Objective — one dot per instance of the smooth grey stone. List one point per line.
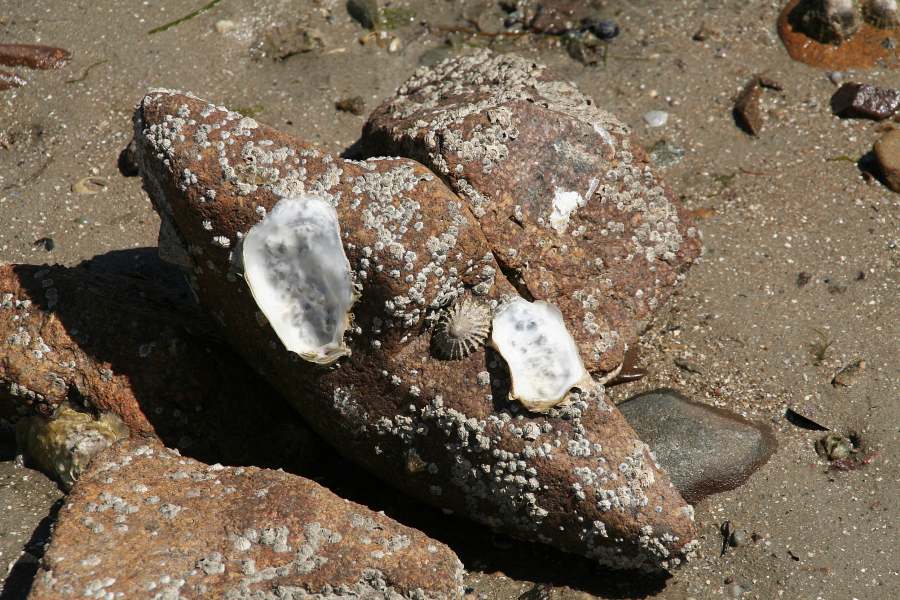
(704, 449)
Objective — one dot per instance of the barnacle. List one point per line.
(462, 329)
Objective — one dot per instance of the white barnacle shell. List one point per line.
(299, 276)
(461, 329)
(543, 359)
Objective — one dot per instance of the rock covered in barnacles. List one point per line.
(569, 205)
(85, 350)
(541, 356)
(145, 522)
(445, 431)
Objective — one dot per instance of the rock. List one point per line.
(33, 56)
(604, 29)
(224, 26)
(849, 374)
(864, 101)
(365, 12)
(887, 154)
(583, 222)
(705, 450)
(144, 520)
(444, 430)
(355, 105)
(656, 118)
(79, 343)
(747, 109)
(828, 21)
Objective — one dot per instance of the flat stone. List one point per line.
(887, 153)
(608, 259)
(145, 522)
(79, 342)
(444, 431)
(705, 449)
(864, 101)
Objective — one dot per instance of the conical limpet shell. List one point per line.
(463, 328)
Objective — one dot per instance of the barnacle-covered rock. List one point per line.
(82, 351)
(145, 522)
(445, 431)
(569, 205)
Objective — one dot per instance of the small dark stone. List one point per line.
(127, 161)
(604, 29)
(864, 101)
(737, 538)
(704, 449)
(353, 105)
(666, 154)
(365, 12)
(803, 278)
(46, 243)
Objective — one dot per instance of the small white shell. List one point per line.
(541, 354)
(296, 269)
(461, 330)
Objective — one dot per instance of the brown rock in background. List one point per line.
(108, 344)
(570, 207)
(443, 431)
(145, 522)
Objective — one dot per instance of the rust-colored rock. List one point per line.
(144, 522)
(865, 101)
(445, 431)
(113, 344)
(34, 56)
(569, 205)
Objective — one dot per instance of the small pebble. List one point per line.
(224, 26)
(737, 538)
(864, 101)
(365, 12)
(604, 29)
(46, 243)
(353, 105)
(887, 155)
(656, 118)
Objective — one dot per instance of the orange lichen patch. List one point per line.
(864, 50)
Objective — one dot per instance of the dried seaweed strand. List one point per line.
(186, 17)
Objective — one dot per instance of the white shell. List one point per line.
(461, 329)
(295, 266)
(543, 359)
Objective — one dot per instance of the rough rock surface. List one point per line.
(144, 522)
(112, 344)
(570, 207)
(887, 153)
(864, 101)
(705, 450)
(444, 431)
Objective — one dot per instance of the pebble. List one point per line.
(737, 538)
(225, 25)
(604, 29)
(365, 12)
(864, 101)
(887, 154)
(656, 118)
(748, 109)
(704, 449)
(353, 105)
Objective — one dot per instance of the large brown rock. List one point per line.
(144, 522)
(445, 431)
(82, 351)
(568, 203)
